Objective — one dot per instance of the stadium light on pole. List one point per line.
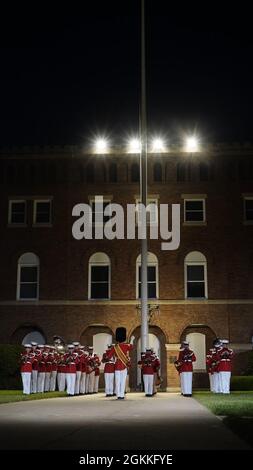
(143, 187)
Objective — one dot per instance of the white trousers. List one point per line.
(41, 382)
(34, 381)
(120, 382)
(186, 383)
(91, 382)
(83, 383)
(216, 382)
(148, 380)
(225, 381)
(61, 381)
(154, 383)
(109, 382)
(26, 380)
(211, 382)
(47, 381)
(71, 380)
(52, 387)
(77, 385)
(96, 383)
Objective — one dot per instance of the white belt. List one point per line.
(227, 360)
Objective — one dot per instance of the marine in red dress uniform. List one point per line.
(27, 358)
(147, 364)
(109, 370)
(71, 359)
(225, 366)
(120, 352)
(35, 367)
(185, 359)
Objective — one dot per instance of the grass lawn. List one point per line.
(8, 396)
(236, 410)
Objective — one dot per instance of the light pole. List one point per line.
(143, 188)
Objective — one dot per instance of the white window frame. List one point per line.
(107, 199)
(197, 263)
(109, 279)
(195, 222)
(150, 200)
(41, 224)
(25, 265)
(16, 224)
(245, 220)
(138, 265)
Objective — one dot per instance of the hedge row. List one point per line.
(242, 382)
(9, 367)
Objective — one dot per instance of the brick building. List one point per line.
(83, 290)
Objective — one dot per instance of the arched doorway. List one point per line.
(34, 336)
(154, 343)
(27, 333)
(201, 339)
(98, 336)
(157, 342)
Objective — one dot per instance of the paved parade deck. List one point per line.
(167, 421)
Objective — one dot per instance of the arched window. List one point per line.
(181, 172)
(152, 276)
(28, 277)
(157, 172)
(90, 173)
(203, 172)
(135, 173)
(113, 174)
(99, 276)
(195, 276)
(198, 345)
(34, 336)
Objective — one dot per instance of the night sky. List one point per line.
(69, 74)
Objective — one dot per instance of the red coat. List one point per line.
(186, 358)
(109, 364)
(71, 360)
(48, 361)
(225, 360)
(126, 348)
(35, 364)
(84, 363)
(42, 362)
(26, 361)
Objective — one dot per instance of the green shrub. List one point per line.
(242, 382)
(249, 370)
(10, 366)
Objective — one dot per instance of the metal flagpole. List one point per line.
(143, 184)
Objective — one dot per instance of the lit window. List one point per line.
(28, 277)
(195, 276)
(194, 210)
(42, 212)
(152, 276)
(99, 276)
(17, 212)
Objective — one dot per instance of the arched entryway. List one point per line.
(98, 336)
(201, 339)
(27, 333)
(157, 341)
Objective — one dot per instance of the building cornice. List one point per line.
(77, 151)
(98, 303)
